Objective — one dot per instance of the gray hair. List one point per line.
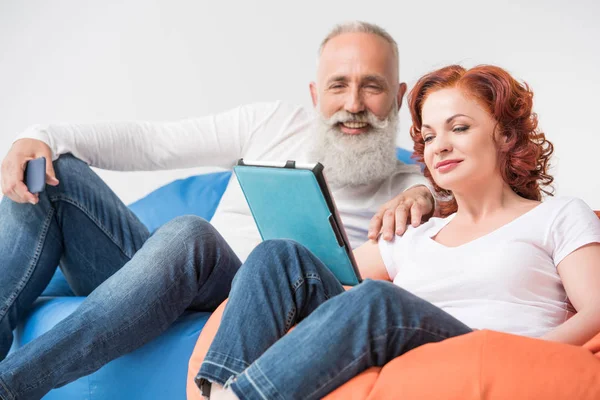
(360, 27)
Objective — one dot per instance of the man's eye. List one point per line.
(336, 86)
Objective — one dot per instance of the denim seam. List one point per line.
(297, 285)
(212, 378)
(107, 339)
(300, 281)
(221, 366)
(253, 384)
(88, 214)
(7, 390)
(290, 319)
(226, 356)
(36, 255)
(264, 376)
(357, 359)
(382, 336)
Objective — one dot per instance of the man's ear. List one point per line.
(313, 93)
(401, 92)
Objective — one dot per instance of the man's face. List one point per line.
(358, 73)
(357, 97)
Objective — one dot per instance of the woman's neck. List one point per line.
(481, 201)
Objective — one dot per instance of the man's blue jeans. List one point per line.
(136, 284)
(338, 335)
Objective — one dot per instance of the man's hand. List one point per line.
(13, 169)
(413, 206)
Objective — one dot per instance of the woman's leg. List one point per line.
(280, 283)
(367, 326)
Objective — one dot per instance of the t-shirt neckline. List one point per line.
(449, 218)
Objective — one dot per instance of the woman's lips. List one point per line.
(448, 165)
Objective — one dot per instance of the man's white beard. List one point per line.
(361, 159)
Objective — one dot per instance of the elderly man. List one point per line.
(136, 284)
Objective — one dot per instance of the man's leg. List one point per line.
(80, 224)
(367, 326)
(185, 264)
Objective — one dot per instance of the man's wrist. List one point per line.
(431, 193)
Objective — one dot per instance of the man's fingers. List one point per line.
(402, 219)
(50, 174)
(23, 193)
(375, 225)
(389, 222)
(416, 213)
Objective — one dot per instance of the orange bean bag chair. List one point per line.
(483, 365)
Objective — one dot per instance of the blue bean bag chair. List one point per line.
(157, 370)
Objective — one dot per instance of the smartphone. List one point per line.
(35, 175)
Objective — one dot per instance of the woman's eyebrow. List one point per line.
(456, 116)
(448, 120)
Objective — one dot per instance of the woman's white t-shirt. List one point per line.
(506, 280)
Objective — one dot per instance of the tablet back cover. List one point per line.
(287, 203)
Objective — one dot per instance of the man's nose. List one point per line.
(354, 102)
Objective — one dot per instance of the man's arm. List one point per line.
(217, 140)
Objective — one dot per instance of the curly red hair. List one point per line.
(523, 157)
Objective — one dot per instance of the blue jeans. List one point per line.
(338, 335)
(136, 284)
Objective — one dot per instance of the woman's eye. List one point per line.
(427, 139)
(461, 128)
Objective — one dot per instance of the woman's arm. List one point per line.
(370, 263)
(580, 274)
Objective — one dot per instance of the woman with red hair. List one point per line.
(498, 258)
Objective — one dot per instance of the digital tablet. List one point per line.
(289, 200)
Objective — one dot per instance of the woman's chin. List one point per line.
(448, 183)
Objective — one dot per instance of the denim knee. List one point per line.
(377, 293)
(276, 254)
(280, 247)
(68, 164)
(189, 226)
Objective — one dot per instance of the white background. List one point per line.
(85, 61)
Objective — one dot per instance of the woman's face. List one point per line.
(458, 132)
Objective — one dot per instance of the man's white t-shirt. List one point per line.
(506, 280)
(264, 131)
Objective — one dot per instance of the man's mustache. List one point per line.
(363, 117)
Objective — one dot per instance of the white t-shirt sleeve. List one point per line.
(387, 250)
(575, 226)
(217, 140)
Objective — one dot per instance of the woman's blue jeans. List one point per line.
(338, 335)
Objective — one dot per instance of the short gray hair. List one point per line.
(360, 27)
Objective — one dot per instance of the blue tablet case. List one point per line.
(289, 203)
